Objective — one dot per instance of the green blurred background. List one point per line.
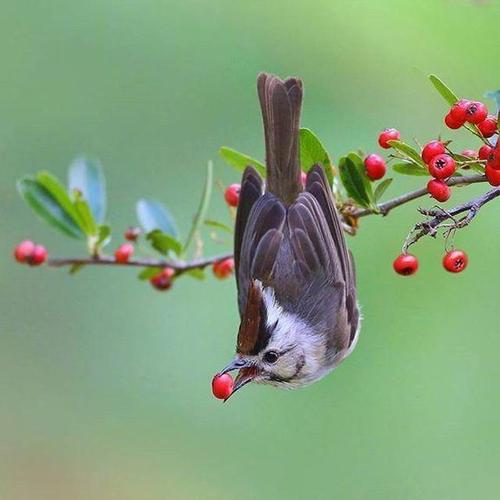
(105, 385)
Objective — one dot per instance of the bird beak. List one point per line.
(247, 372)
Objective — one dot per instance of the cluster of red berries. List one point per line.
(222, 385)
(29, 253)
(476, 113)
(454, 261)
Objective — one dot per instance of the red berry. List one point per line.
(452, 123)
(470, 153)
(492, 174)
(375, 167)
(458, 112)
(23, 251)
(38, 256)
(439, 190)
(442, 166)
(389, 134)
(432, 149)
(223, 268)
(232, 195)
(476, 112)
(303, 178)
(222, 386)
(132, 233)
(163, 280)
(124, 252)
(406, 264)
(485, 152)
(455, 261)
(489, 126)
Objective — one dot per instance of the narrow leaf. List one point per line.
(218, 225)
(381, 189)
(408, 168)
(47, 207)
(240, 161)
(103, 235)
(447, 94)
(352, 181)
(312, 152)
(85, 215)
(360, 166)
(164, 243)
(154, 215)
(202, 207)
(196, 273)
(149, 272)
(59, 193)
(408, 151)
(87, 177)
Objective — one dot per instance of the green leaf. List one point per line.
(149, 272)
(103, 235)
(87, 177)
(443, 89)
(196, 273)
(218, 225)
(85, 215)
(381, 189)
(75, 268)
(47, 207)
(59, 193)
(409, 168)
(312, 152)
(241, 161)
(408, 151)
(154, 215)
(360, 166)
(164, 243)
(202, 207)
(353, 182)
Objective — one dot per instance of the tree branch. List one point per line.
(439, 215)
(386, 207)
(179, 265)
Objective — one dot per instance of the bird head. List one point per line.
(275, 346)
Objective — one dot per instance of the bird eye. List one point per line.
(271, 357)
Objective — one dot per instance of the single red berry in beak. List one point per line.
(222, 385)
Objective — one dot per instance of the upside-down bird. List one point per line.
(294, 273)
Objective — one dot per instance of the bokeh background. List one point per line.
(105, 383)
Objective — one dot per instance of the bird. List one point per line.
(295, 276)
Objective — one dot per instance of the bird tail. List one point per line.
(281, 102)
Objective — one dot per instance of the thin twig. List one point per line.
(179, 265)
(438, 216)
